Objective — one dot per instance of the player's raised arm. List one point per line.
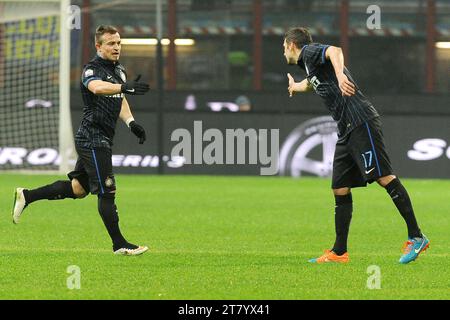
(101, 87)
(335, 55)
(127, 117)
(133, 87)
(302, 86)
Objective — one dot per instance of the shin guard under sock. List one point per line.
(110, 217)
(401, 200)
(55, 191)
(342, 218)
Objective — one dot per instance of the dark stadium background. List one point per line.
(238, 56)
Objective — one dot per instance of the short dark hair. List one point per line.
(101, 30)
(299, 36)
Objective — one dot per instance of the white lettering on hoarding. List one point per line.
(48, 156)
(428, 149)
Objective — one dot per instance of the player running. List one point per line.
(103, 84)
(360, 155)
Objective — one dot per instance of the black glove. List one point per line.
(138, 131)
(135, 87)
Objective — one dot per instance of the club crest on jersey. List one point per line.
(89, 73)
(109, 182)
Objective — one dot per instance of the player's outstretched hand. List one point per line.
(138, 131)
(346, 86)
(291, 85)
(135, 87)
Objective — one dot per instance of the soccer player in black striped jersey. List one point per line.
(103, 85)
(360, 155)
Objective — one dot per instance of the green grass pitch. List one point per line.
(221, 238)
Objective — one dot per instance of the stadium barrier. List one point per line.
(416, 131)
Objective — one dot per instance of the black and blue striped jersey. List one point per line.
(100, 112)
(348, 112)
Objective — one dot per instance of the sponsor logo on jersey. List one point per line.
(117, 95)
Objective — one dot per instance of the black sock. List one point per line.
(110, 217)
(401, 199)
(55, 191)
(342, 218)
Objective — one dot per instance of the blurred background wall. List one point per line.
(227, 69)
(222, 63)
(237, 44)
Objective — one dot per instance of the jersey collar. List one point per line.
(105, 62)
(300, 58)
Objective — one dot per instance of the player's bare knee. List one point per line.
(384, 181)
(78, 189)
(341, 191)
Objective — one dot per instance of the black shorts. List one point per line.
(361, 157)
(94, 170)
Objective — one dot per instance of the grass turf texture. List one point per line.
(221, 238)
